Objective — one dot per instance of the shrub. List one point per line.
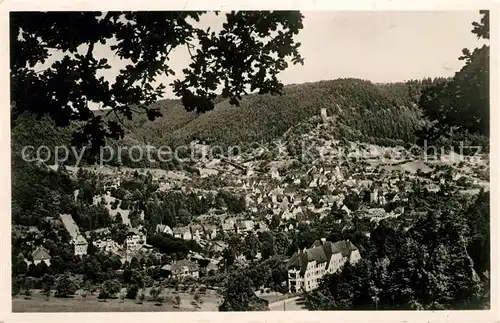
(177, 301)
(109, 289)
(155, 293)
(65, 287)
(159, 301)
(132, 292)
(16, 288)
(142, 297)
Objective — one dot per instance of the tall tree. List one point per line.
(462, 102)
(238, 295)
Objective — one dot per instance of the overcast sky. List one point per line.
(380, 46)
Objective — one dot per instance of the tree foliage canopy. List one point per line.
(462, 102)
(246, 54)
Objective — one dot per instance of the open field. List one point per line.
(40, 303)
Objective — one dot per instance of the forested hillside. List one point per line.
(370, 110)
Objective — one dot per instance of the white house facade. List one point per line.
(41, 255)
(80, 245)
(135, 239)
(307, 267)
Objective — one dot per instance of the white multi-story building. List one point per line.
(77, 240)
(196, 231)
(136, 238)
(307, 267)
(80, 245)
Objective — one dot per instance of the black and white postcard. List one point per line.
(182, 161)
